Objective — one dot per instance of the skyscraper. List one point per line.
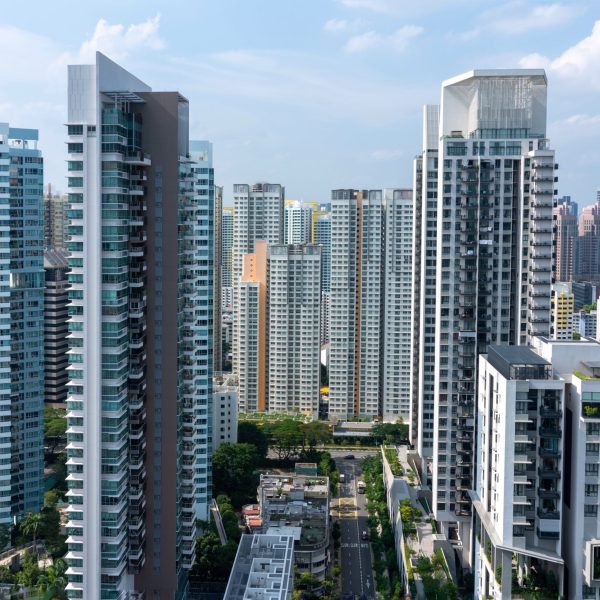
(495, 184)
(369, 338)
(56, 330)
(323, 239)
(140, 364)
(227, 247)
(258, 215)
(397, 314)
(565, 218)
(22, 325)
(55, 219)
(297, 223)
(251, 316)
(425, 193)
(293, 311)
(589, 243)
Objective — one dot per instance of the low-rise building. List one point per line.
(225, 412)
(263, 568)
(298, 505)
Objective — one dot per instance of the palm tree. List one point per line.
(29, 525)
(53, 580)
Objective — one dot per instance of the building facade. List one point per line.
(562, 311)
(566, 241)
(297, 223)
(589, 243)
(495, 182)
(22, 326)
(227, 247)
(225, 414)
(293, 328)
(55, 219)
(56, 329)
(397, 314)
(518, 523)
(217, 285)
(139, 402)
(258, 215)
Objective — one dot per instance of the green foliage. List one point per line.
(234, 472)
(389, 433)
(392, 458)
(589, 307)
(251, 433)
(55, 426)
(286, 438)
(213, 561)
(590, 411)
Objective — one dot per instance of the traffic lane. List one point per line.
(357, 574)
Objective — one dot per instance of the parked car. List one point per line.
(365, 535)
(349, 457)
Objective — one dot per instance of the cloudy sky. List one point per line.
(314, 94)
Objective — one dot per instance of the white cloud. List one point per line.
(397, 41)
(580, 62)
(518, 16)
(343, 25)
(118, 41)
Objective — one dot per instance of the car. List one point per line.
(349, 457)
(364, 535)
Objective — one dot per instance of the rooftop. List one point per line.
(519, 362)
(262, 569)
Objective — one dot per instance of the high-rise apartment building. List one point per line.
(139, 403)
(365, 342)
(55, 219)
(397, 314)
(495, 184)
(518, 523)
(566, 241)
(22, 324)
(293, 334)
(589, 243)
(297, 223)
(323, 239)
(536, 498)
(584, 292)
(251, 318)
(217, 287)
(278, 313)
(562, 311)
(258, 215)
(56, 329)
(425, 177)
(227, 247)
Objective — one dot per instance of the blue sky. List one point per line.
(314, 94)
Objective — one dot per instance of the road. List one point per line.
(357, 570)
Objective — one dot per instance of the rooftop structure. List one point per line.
(262, 569)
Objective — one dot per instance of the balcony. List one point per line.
(549, 452)
(548, 494)
(547, 535)
(548, 472)
(550, 432)
(548, 514)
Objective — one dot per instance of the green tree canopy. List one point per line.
(251, 433)
(286, 438)
(213, 561)
(234, 467)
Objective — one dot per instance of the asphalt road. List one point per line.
(357, 570)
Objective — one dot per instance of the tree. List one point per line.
(55, 426)
(314, 434)
(53, 580)
(213, 561)
(234, 467)
(30, 525)
(391, 433)
(286, 438)
(251, 433)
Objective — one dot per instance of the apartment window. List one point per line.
(591, 469)
(590, 510)
(591, 490)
